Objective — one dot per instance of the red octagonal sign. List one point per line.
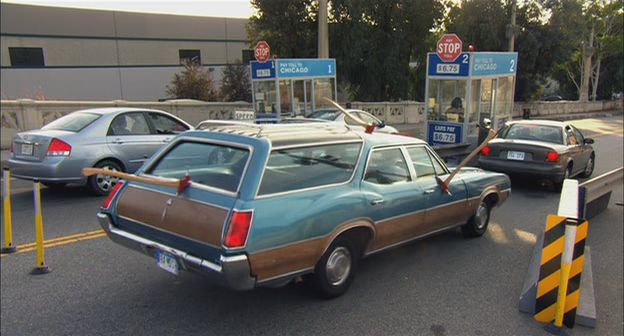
(262, 52)
(449, 47)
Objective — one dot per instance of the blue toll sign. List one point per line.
(488, 64)
(293, 68)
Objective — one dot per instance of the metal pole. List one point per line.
(511, 28)
(323, 38)
(8, 226)
(41, 266)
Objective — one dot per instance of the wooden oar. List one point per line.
(173, 183)
(369, 127)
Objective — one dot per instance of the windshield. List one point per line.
(212, 165)
(533, 132)
(324, 114)
(73, 122)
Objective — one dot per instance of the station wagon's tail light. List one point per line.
(238, 229)
(552, 157)
(111, 195)
(485, 151)
(59, 148)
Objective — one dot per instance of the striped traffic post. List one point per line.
(41, 267)
(8, 226)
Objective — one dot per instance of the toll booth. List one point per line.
(292, 87)
(459, 95)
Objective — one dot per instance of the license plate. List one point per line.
(511, 155)
(167, 262)
(27, 149)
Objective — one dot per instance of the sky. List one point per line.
(219, 8)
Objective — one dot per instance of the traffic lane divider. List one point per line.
(60, 241)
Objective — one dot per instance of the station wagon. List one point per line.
(267, 204)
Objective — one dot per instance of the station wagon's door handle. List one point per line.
(166, 140)
(377, 201)
(118, 141)
(428, 191)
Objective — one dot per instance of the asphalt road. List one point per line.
(443, 285)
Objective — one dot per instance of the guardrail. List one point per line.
(597, 191)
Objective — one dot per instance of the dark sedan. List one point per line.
(550, 150)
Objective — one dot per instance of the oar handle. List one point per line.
(491, 135)
(174, 183)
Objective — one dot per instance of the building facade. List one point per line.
(77, 54)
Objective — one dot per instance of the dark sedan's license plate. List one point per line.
(168, 262)
(511, 155)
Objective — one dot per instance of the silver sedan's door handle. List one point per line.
(428, 191)
(377, 201)
(166, 140)
(118, 141)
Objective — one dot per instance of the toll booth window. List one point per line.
(504, 97)
(447, 100)
(285, 98)
(265, 95)
(324, 87)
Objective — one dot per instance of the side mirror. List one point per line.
(588, 141)
(381, 125)
(486, 123)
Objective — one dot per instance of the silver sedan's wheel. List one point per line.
(103, 184)
(589, 168)
(338, 266)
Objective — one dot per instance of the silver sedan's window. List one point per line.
(73, 122)
(387, 166)
(212, 165)
(533, 132)
(308, 167)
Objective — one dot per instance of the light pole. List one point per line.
(323, 38)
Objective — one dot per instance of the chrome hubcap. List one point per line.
(590, 166)
(338, 266)
(105, 182)
(481, 217)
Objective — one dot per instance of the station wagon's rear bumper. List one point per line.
(232, 271)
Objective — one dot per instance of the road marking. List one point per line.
(60, 241)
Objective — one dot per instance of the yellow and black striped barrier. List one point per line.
(560, 271)
(41, 267)
(8, 225)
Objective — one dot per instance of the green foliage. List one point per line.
(481, 23)
(235, 83)
(193, 83)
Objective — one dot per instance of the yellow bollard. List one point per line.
(8, 226)
(41, 266)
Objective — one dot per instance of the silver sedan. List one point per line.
(111, 138)
(335, 116)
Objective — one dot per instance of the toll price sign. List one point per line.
(444, 133)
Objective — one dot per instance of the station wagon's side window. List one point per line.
(424, 164)
(133, 123)
(166, 125)
(307, 167)
(387, 166)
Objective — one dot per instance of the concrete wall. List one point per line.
(26, 114)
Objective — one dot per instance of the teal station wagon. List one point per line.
(267, 204)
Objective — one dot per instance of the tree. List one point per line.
(192, 83)
(235, 83)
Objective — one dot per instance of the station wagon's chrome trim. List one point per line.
(382, 221)
(316, 144)
(241, 257)
(411, 239)
(286, 275)
(182, 139)
(178, 196)
(228, 221)
(167, 231)
(350, 180)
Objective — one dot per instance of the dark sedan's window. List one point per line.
(307, 167)
(74, 122)
(387, 166)
(208, 164)
(533, 132)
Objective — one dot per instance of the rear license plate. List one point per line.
(511, 155)
(27, 149)
(168, 262)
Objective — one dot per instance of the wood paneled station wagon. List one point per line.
(261, 205)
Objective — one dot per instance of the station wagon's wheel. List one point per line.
(478, 223)
(335, 270)
(102, 184)
(589, 168)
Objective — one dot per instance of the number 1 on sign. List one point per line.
(329, 68)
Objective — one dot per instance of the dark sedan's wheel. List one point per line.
(103, 184)
(589, 168)
(335, 270)
(478, 223)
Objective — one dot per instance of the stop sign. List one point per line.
(262, 52)
(449, 47)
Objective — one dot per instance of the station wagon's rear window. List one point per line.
(208, 164)
(308, 167)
